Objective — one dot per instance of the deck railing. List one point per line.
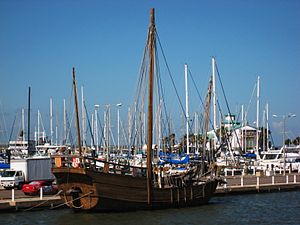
(160, 177)
(258, 182)
(76, 161)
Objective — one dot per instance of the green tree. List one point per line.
(288, 141)
(296, 141)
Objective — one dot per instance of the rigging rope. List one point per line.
(170, 75)
(25, 210)
(250, 102)
(89, 124)
(227, 105)
(71, 201)
(11, 132)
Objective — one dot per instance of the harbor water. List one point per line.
(266, 208)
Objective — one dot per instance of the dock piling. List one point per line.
(13, 195)
(41, 193)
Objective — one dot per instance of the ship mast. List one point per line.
(151, 43)
(206, 120)
(187, 108)
(76, 110)
(28, 128)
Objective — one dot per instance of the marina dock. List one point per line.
(257, 184)
(15, 200)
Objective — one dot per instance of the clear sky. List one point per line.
(40, 42)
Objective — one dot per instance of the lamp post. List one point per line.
(119, 105)
(284, 117)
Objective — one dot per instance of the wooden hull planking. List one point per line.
(87, 189)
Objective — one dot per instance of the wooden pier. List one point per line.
(259, 183)
(15, 200)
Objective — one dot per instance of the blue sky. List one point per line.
(40, 42)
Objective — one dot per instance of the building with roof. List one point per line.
(240, 137)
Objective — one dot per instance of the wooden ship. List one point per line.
(122, 187)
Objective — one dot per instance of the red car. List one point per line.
(33, 188)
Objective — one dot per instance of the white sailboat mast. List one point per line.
(214, 97)
(23, 126)
(51, 121)
(263, 124)
(83, 118)
(243, 124)
(38, 134)
(93, 131)
(96, 128)
(196, 132)
(56, 125)
(186, 107)
(65, 123)
(214, 92)
(267, 113)
(129, 128)
(118, 112)
(257, 116)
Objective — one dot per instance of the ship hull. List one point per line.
(86, 189)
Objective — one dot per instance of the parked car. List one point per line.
(33, 188)
(22, 171)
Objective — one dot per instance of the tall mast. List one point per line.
(242, 127)
(152, 35)
(267, 112)
(214, 98)
(93, 131)
(118, 105)
(257, 116)
(51, 122)
(83, 119)
(56, 125)
(76, 110)
(214, 92)
(28, 132)
(129, 128)
(65, 124)
(23, 126)
(206, 120)
(107, 125)
(38, 128)
(263, 125)
(96, 129)
(196, 133)
(186, 107)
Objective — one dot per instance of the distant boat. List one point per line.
(271, 159)
(121, 187)
(274, 158)
(20, 147)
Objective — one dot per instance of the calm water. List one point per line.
(270, 208)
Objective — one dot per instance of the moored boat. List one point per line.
(88, 183)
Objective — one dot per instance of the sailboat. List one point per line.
(122, 187)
